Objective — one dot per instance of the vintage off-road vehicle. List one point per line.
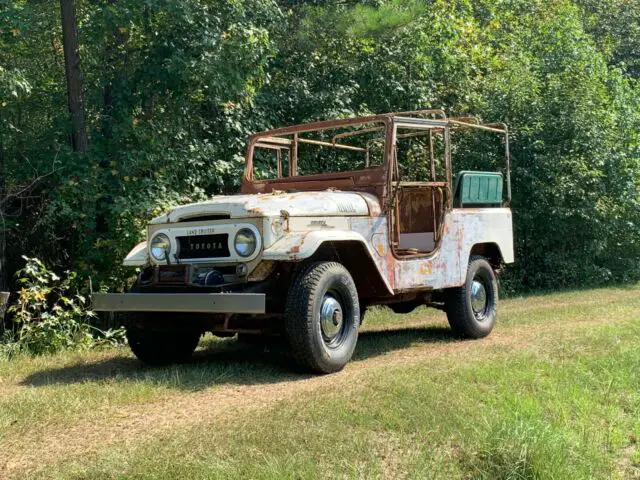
(334, 216)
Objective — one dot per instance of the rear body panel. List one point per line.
(444, 268)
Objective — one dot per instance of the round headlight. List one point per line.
(160, 246)
(245, 242)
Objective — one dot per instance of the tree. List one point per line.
(74, 75)
(169, 91)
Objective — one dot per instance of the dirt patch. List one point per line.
(626, 467)
(392, 454)
(8, 389)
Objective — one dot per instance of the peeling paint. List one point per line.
(372, 203)
(447, 266)
(426, 268)
(262, 271)
(294, 249)
(323, 203)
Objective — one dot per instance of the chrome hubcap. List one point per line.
(331, 317)
(478, 298)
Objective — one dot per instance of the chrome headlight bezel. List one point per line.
(159, 246)
(250, 239)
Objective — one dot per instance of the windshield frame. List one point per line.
(377, 180)
(272, 137)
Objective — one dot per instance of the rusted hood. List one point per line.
(300, 204)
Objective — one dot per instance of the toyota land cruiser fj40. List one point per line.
(334, 216)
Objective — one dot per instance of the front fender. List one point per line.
(297, 246)
(137, 256)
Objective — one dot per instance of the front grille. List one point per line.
(203, 246)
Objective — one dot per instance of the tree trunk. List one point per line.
(4, 295)
(3, 227)
(4, 303)
(74, 75)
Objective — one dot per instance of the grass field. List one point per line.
(554, 392)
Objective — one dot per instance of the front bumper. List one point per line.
(251, 303)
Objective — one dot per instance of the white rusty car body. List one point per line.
(292, 227)
(404, 242)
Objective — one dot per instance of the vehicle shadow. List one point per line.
(228, 363)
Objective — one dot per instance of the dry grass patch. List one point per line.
(108, 407)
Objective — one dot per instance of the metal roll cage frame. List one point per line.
(431, 122)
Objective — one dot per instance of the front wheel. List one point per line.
(472, 308)
(322, 317)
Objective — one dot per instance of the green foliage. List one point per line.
(573, 118)
(12, 84)
(362, 19)
(172, 90)
(49, 316)
(615, 27)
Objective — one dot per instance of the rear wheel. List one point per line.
(162, 347)
(322, 317)
(472, 308)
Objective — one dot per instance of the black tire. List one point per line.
(322, 341)
(469, 319)
(162, 347)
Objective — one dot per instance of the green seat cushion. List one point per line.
(477, 188)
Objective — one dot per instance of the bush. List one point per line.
(50, 315)
(173, 89)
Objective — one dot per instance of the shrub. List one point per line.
(50, 315)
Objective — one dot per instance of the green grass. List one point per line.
(553, 393)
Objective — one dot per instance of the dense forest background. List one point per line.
(170, 90)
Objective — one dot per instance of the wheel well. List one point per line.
(356, 259)
(490, 251)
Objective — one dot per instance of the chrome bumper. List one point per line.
(180, 302)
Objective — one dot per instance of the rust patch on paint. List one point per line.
(294, 249)
(426, 268)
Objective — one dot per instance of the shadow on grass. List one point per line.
(228, 362)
